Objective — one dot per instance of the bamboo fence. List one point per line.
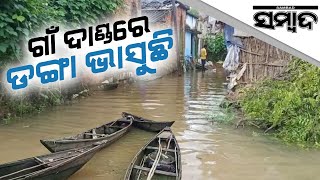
(262, 60)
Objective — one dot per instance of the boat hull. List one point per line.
(148, 125)
(152, 126)
(72, 143)
(62, 169)
(137, 166)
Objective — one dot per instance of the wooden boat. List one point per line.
(54, 166)
(146, 124)
(160, 158)
(111, 131)
(110, 86)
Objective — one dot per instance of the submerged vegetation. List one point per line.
(289, 107)
(226, 116)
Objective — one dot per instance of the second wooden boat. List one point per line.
(55, 166)
(147, 124)
(111, 132)
(159, 159)
(110, 86)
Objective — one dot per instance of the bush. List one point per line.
(217, 50)
(290, 107)
(194, 12)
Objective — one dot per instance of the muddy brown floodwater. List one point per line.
(209, 151)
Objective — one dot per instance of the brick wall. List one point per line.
(181, 23)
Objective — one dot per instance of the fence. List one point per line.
(259, 60)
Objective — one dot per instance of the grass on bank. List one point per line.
(288, 107)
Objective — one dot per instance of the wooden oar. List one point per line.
(92, 134)
(141, 164)
(176, 157)
(114, 122)
(168, 146)
(156, 161)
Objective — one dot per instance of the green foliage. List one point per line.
(19, 18)
(216, 47)
(226, 116)
(291, 106)
(193, 12)
(81, 12)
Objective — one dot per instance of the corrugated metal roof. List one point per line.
(160, 4)
(156, 15)
(155, 4)
(156, 10)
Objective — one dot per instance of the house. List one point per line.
(160, 14)
(191, 38)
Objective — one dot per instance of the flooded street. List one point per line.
(209, 151)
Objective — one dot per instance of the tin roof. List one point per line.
(157, 10)
(156, 15)
(160, 4)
